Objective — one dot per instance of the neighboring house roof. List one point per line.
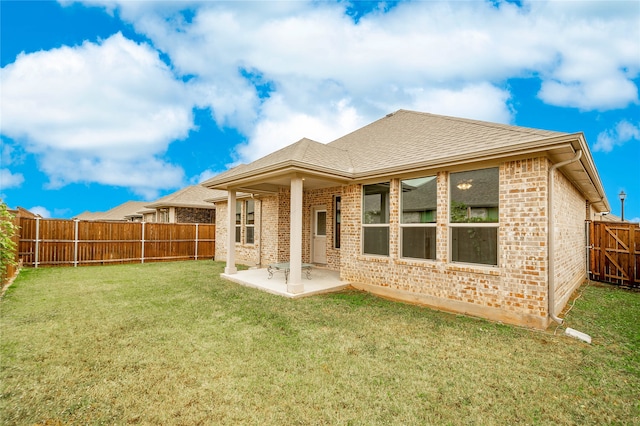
(26, 213)
(420, 197)
(409, 140)
(192, 196)
(121, 212)
(87, 215)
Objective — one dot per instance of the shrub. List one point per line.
(7, 245)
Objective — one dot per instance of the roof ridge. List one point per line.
(304, 146)
(482, 123)
(327, 146)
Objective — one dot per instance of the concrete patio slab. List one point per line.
(322, 281)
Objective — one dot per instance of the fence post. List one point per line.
(37, 259)
(196, 242)
(75, 243)
(142, 251)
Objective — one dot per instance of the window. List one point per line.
(249, 221)
(238, 221)
(321, 223)
(163, 215)
(473, 216)
(336, 226)
(418, 217)
(375, 219)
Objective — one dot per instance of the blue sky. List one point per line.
(108, 101)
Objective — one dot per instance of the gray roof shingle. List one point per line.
(412, 141)
(398, 140)
(120, 212)
(191, 196)
(406, 137)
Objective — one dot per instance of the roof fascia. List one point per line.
(573, 141)
(590, 169)
(282, 171)
(489, 157)
(278, 170)
(186, 205)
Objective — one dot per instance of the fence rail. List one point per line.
(614, 255)
(56, 242)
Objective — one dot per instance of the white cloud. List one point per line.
(280, 126)
(98, 113)
(482, 102)
(10, 180)
(596, 45)
(42, 211)
(7, 178)
(205, 175)
(618, 136)
(450, 58)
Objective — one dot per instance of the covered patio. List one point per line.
(322, 281)
(303, 168)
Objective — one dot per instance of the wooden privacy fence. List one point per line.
(614, 255)
(55, 242)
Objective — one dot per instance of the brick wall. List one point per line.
(247, 254)
(513, 292)
(272, 234)
(570, 239)
(221, 231)
(523, 235)
(269, 240)
(320, 198)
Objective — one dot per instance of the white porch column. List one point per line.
(231, 234)
(295, 238)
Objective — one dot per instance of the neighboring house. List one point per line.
(148, 215)
(462, 215)
(125, 212)
(607, 217)
(187, 205)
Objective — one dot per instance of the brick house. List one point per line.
(187, 205)
(461, 215)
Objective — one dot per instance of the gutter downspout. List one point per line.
(551, 238)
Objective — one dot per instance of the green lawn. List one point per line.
(172, 343)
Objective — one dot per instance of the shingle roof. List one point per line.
(406, 137)
(129, 208)
(399, 140)
(191, 196)
(305, 152)
(411, 141)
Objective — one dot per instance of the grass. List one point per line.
(172, 343)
